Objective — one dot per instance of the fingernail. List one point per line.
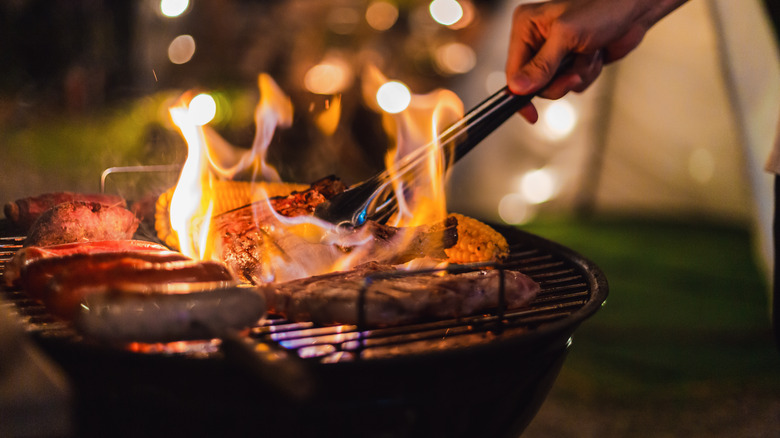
(574, 82)
(521, 85)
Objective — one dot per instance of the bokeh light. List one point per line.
(181, 49)
(381, 15)
(514, 209)
(393, 97)
(343, 21)
(446, 12)
(495, 81)
(202, 109)
(173, 8)
(455, 58)
(331, 76)
(469, 15)
(559, 119)
(538, 186)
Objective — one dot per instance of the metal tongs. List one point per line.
(374, 199)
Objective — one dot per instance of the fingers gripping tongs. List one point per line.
(374, 199)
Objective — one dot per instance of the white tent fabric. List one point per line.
(682, 126)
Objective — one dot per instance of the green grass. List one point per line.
(687, 311)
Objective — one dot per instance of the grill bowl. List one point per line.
(485, 375)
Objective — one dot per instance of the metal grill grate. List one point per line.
(571, 288)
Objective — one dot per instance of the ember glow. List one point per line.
(211, 161)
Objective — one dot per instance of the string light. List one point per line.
(328, 77)
(559, 119)
(181, 49)
(514, 209)
(173, 8)
(494, 81)
(455, 58)
(538, 186)
(393, 97)
(381, 15)
(446, 12)
(202, 109)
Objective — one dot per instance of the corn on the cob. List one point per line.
(477, 242)
(228, 195)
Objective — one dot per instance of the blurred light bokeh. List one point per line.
(679, 128)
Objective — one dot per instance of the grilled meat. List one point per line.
(31, 254)
(258, 248)
(259, 245)
(78, 221)
(395, 299)
(66, 290)
(158, 317)
(36, 276)
(23, 212)
(304, 202)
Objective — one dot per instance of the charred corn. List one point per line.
(228, 195)
(477, 242)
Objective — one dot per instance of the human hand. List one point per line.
(593, 32)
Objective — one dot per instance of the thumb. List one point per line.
(538, 71)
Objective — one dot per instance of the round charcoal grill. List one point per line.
(478, 376)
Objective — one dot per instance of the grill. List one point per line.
(484, 375)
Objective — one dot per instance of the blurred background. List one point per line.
(655, 172)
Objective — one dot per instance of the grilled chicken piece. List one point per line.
(79, 221)
(392, 299)
(23, 212)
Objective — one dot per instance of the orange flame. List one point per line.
(420, 193)
(211, 158)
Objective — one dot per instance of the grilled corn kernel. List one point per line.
(228, 195)
(477, 242)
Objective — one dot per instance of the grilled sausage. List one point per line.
(31, 254)
(158, 317)
(79, 221)
(63, 294)
(23, 212)
(35, 276)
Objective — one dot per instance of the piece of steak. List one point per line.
(81, 221)
(395, 299)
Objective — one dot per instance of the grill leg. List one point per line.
(776, 265)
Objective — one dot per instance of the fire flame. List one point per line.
(210, 159)
(420, 192)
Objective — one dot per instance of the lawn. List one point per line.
(682, 347)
